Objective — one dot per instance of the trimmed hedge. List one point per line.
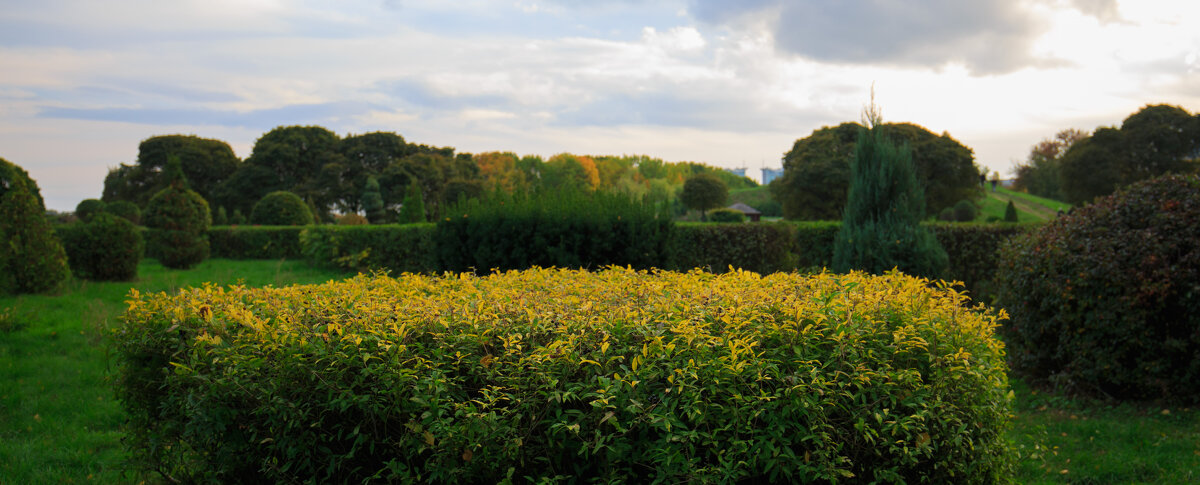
(106, 248)
(974, 251)
(814, 243)
(761, 247)
(1106, 300)
(548, 376)
(398, 248)
(255, 242)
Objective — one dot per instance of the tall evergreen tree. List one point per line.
(32, 259)
(881, 225)
(413, 209)
(372, 201)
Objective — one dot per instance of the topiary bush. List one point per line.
(32, 259)
(965, 211)
(88, 208)
(126, 210)
(107, 248)
(726, 215)
(281, 208)
(177, 219)
(1010, 212)
(546, 376)
(1106, 300)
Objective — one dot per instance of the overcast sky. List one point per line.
(726, 83)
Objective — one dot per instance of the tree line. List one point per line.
(375, 173)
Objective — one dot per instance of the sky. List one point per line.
(729, 84)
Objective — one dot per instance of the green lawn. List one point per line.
(59, 423)
(1030, 208)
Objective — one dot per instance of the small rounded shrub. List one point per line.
(107, 248)
(946, 215)
(281, 208)
(351, 220)
(177, 219)
(726, 215)
(965, 211)
(32, 259)
(1106, 300)
(88, 208)
(126, 210)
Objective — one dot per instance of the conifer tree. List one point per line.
(1010, 212)
(32, 259)
(881, 225)
(178, 219)
(413, 209)
(372, 202)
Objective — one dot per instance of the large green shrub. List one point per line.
(125, 210)
(255, 242)
(563, 229)
(407, 248)
(87, 208)
(1106, 300)
(965, 211)
(881, 227)
(726, 215)
(547, 376)
(762, 248)
(107, 248)
(281, 208)
(177, 219)
(32, 259)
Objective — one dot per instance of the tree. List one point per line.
(87, 208)
(177, 218)
(1040, 174)
(297, 159)
(372, 202)
(1156, 140)
(32, 259)
(363, 156)
(205, 162)
(1010, 212)
(413, 209)
(816, 170)
(881, 227)
(703, 192)
(281, 208)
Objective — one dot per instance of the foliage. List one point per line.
(372, 202)
(759, 198)
(762, 248)
(88, 208)
(553, 229)
(560, 375)
(965, 211)
(1010, 212)
(237, 217)
(1040, 174)
(290, 158)
(727, 215)
(407, 248)
(352, 220)
(817, 169)
(413, 209)
(363, 156)
(1105, 300)
(205, 162)
(255, 242)
(177, 219)
(126, 210)
(106, 248)
(1156, 140)
(973, 253)
(881, 227)
(702, 192)
(32, 259)
(281, 208)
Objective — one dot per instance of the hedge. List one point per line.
(759, 247)
(614, 376)
(399, 248)
(255, 242)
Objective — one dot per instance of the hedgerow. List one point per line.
(255, 242)
(398, 248)
(567, 376)
(760, 247)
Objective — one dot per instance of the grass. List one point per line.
(58, 420)
(59, 423)
(1030, 208)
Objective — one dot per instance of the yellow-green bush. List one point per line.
(551, 375)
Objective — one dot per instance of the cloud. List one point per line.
(302, 114)
(987, 37)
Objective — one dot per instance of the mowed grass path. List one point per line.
(60, 424)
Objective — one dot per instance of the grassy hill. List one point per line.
(1030, 208)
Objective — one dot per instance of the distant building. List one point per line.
(741, 172)
(770, 174)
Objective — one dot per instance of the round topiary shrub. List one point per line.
(32, 259)
(351, 220)
(126, 210)
(178, 219)
(726, 215)
(965, 211)
(88, 208)
(1106, 300)
(107, 248)
(281, 208)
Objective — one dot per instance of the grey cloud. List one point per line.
(988, 37)
(421, 94)
(324, 113)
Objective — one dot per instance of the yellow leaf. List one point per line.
(429, 438)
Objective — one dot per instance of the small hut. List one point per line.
(751, 213)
